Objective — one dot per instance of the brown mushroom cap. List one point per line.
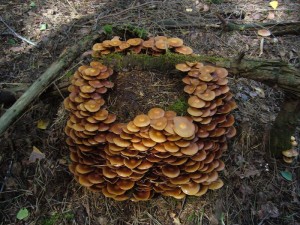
(208, 95)
(141, 120)
(170, 171)
(141, 195)
(196, 102)
(205, 77)
(192, 149)
(156, 113)
(183, 67)
(264, 33)
(191, 188)
(171, 147)
(92, 106)
(185, 50)
(125, 184)
(121, 142)
(290, 153)
(216, 185)
(134, 41)
(124, 172)
(159, 124)
(157, 136)
(98, 47)
(288, 160)
(161, 44)
(183, 127)
(87, 89)
(221, 72)
(92, 71)
(175, 42)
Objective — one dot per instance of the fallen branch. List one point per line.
(64, 60)
(16, 34)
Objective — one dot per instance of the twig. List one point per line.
(8, 173)
(16, 34)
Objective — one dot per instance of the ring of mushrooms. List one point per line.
(158, 151)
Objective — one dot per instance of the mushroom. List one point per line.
(183, 127)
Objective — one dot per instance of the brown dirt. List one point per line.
(254, 191)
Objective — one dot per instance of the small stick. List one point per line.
(16, 34)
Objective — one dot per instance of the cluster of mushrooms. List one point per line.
(153, 46)
(156, 152)
(291, 154)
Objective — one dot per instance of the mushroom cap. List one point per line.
(183, 67)
(216, 184)
(191, 188)
(114, 189)
(208, 95)
(170, 171)
(84, 181)
(92, 71)
(183, 127)
(159, 124)
(171, 147)
(115, 42)
(124, 45)
(288, 160)
(161, 44)
(134, 41)
(141, 195)
(192, 149)
(132, 127)
(141, 120)
(196, 102)
(98, 47)
(121, 142)
(101, 115)
(87, 89)
(185, 50)
(156, 113)
(264, 33)
(205, 77)
(290, 153)
(92, 106)
(175, 42)
(132, 163)
(124, 172)
(181, 179)
(125, 184)
(221, 72)
(157, 136)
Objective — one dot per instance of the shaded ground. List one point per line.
(254, 191)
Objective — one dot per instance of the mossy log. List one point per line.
(271, 72)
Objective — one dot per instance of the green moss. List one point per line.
(179, 106)
(108, 29)
(56, 217)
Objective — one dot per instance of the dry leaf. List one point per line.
(16, 49)
(274, 4)
(36, 154)
(260, 92)
(43, 124)
(176, 220)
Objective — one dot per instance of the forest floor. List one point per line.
(44, 192)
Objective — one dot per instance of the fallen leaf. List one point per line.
(176, 220)
(260, 92)
(22, 214)
(43, 26)
(32, 4)
(268, 210)
(43, 124)
(287, 175)
(274, 4)
(36, 154)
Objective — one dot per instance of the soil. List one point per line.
(255, 191)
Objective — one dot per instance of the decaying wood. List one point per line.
(284, 127)
(64, 60)
(274, 73)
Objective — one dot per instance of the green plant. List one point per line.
(136, 31)
(179, 106)
(54, 218)
(108, 29)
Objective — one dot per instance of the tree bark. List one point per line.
(64, 60)
(284, 127)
